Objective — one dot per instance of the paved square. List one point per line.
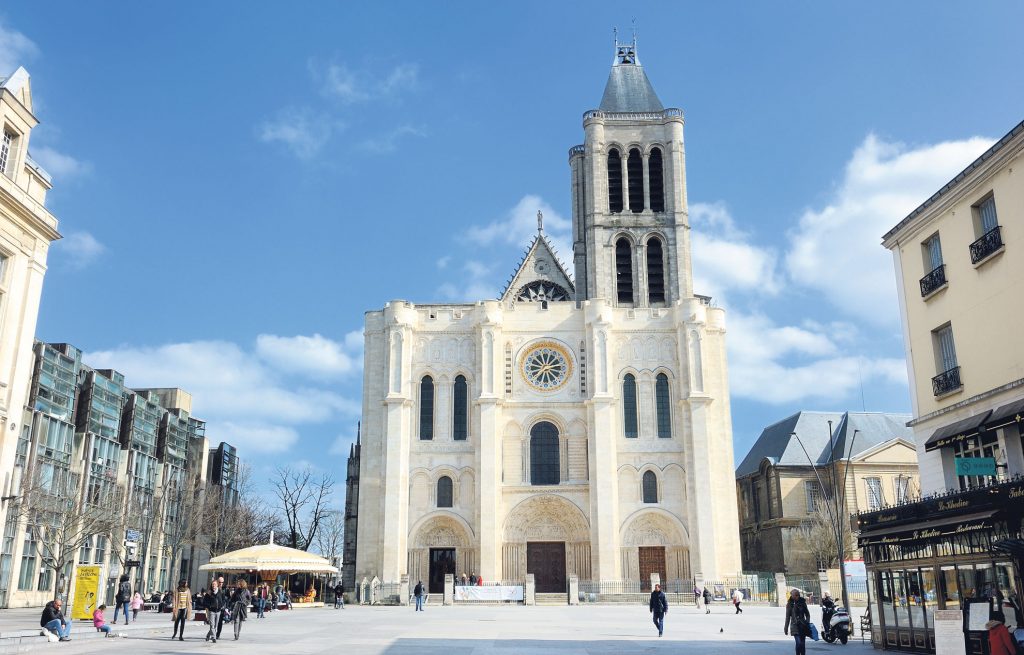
(461, 630)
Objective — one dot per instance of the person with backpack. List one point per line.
(418, 593)
(123, 598)
(339, 598)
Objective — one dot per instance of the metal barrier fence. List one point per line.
(503, 584)
(632, 591)
(389, 594)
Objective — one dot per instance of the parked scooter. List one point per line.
(836, 625)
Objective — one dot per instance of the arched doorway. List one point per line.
(548, 536)
(441, 545)
(654, 541)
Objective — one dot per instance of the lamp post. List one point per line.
(835, 503)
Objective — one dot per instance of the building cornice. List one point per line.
(15, 200)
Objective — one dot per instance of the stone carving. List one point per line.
(546, 518)
(650, 529)
(441, 532)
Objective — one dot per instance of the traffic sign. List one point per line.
(131, 534)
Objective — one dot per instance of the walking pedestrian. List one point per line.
(339, 599)
(472, 579)
(123, 598)
(737, 598)
(240, 606)
(999, 640)
(418, 593)
(137, 603)
(707, 600)
(798, 621)
(214, 602)
(698, 595)
(659, 608)
(181, 609)
(261, 599)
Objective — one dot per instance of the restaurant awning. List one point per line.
(1006, 415)
(927, 529)
(956, 432)
(270, 558)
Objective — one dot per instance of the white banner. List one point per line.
(490, 592)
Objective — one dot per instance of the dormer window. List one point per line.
(7, 152)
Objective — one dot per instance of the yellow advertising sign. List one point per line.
(87, 592)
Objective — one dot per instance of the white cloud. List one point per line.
(15, 50)
(232, 388)
(59, 164)
(80, 248)
(443, 261)
(519, 226)
(835, 249)
(301, 130)
(724, 258)
(315, 356)
(388, 143)
(468, 292)
(350, 86)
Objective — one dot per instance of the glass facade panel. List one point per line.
(901, 609)
(915, 598)
(948, 587)
(887, 599)
(929, 594)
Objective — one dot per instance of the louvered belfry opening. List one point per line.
(655, 271)
(614, 181)
(656, 180)
(624, 270)
(635, 170)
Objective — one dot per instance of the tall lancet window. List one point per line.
(614, 181)
(427, 408)
(655, 271)
(635, 171)
(629, 417)
(663, 406)
(624, 270)
(650, 487)
(545, 464)
(460, 426)
(656, 180)
(445, 492)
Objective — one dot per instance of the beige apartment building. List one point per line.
(780, 493)
(26, 231)
(959, 270)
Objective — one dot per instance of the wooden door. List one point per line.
(546, 561)
(652, 560)
(442, 561)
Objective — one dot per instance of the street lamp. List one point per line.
(837, 497)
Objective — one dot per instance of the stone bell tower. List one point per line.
(631, 241)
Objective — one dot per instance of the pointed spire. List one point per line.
(628, 89)
(359, 429)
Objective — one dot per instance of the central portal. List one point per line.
(442, 561)
(546, 561)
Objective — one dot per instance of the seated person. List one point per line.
(155, 598)
(310, 595)
(99, 622)
(53, 620)
(166, 601)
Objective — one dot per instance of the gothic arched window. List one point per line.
(444, 492)
(635, 173)
(460, 426)
(624, 270)
(656, 180)
(544, 458)
(655, 271)
(614, 181)
(629, 418)
(650, 487)
(427, 408)
(663, 407)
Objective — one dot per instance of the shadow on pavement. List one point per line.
(456, 646)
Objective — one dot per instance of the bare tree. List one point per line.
(304, 500)
(330, 538)
(60, 521)
(236, 518)
(182, 520)
(819, 537)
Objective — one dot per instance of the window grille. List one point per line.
(460, 430)
(656, 180)
(813, 494)
(663, 406)
(624, 270)
(635, 173)
(614, 181)
(444, 492)
(650, 487)
(655, 271)
(629, 406)
(875, 498)
(427, 408)
(544, 454)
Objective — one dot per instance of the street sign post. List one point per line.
(131, 564)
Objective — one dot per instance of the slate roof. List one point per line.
(629, 90)
(777, 444)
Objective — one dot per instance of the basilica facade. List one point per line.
(578, 425)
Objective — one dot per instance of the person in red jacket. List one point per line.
(999, 640)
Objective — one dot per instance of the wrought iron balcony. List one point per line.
(989, 243)
(947, 381)
(934, 280)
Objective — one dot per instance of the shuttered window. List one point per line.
(635, 174)
(656, 180)
(624, 270)
(614, 181)
(655, 271)
(629, 406)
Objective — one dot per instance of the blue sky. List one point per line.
(238, 183)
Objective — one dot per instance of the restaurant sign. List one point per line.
(975, 466)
